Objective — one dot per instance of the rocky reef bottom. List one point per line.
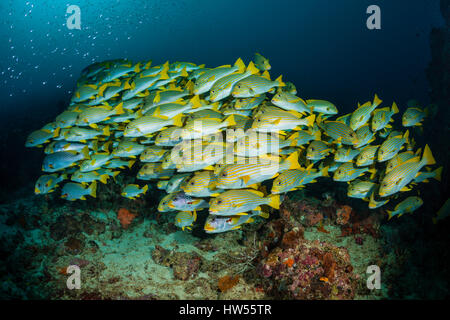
(310, 249)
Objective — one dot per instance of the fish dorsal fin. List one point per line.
(266, 75)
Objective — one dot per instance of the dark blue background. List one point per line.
(323, 46)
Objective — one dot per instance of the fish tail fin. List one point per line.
(280, 81)
(406, 136)
(324, 172)
(394, 108)
(178, 120)
(240, 64)
(106, 131)
(274, 201)
(438, 174)
(428, 156)
(292, 160)
(119, 109)
(195, 101)
(56, 132)
(104, 178)
(163, 75)
(389, 212)
(230, 121)
(85, 152)
(310, 120)
(137, 67)
(251, 68)
(190, 87)
(93, 189)
(377, 101)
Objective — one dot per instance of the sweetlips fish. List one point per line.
(238, 202)
(202, 158)
(84, 92)
(77, 134)
(156, 98)
(243, 175)
(373, 204)
(222, 88)
(295, 179)
(168, 137)
(171, 109)
(48, 182)
(413, 117)
(153, 154)
(85, 177)
(148, 124)
(281, 120)
(95, 161)
(249, 103)
(154, 171)
(183, 202)
(133, 191)
(400, 158)
(362, 115)
(92, 116)
(111, 91)
(187, 66)
(120, 70)
(128, 149)
(119, 163)
(290, 102)
(200, 184)
(197, 128)
(382, 117)
(218, 224)
(163, 205)
(63, 159)
(300, 138)
(67, 119)
(400, 176)
(176, 181)
(168, 162)
(253, 143)
(205, 81)
(185, 219)
(338, 131)
(141, 82)
(390, 147)
(75, 191)
(261, 63)
(321, 106)
(347, 172)
(367, 156)
(345, 119)
(345, 154)
(364, 136)
(408, 205)
(254, 85)
(317, 150)
(132, 103)
(361, 189)
(425, 176)
(39, 137)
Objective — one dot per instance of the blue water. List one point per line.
(322, 46)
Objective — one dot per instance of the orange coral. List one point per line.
(125, 217)
(343, 214)
(227, 282)
(289, 262)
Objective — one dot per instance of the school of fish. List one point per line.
(227, 139)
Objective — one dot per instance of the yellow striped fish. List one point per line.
(238, 202)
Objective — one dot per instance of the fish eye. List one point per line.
(192, 183)
(312, 149)
(224, 174)
(219, 202)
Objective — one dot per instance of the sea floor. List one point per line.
(148, 260)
